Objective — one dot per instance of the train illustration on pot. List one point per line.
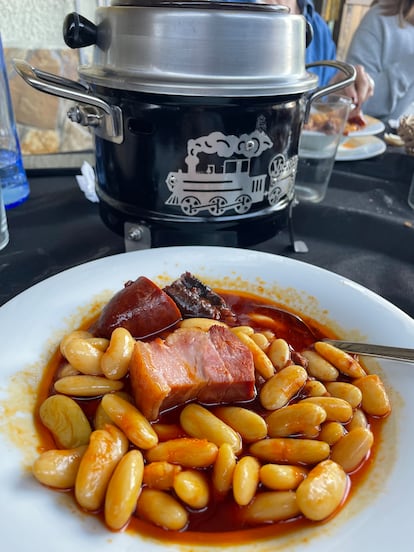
(230, 186)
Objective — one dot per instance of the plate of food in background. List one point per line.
(361, 125)
(355, 148)
(257, 485)
(364, 125)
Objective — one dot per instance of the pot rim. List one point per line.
(198, 86)
(255, 5)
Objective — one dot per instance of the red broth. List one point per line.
(221, 521)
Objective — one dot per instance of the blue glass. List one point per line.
(13, 179)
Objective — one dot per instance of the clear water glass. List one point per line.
(411, 193)
(318, 145)
(4, 231)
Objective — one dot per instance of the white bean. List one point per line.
(282, 387)
(66, 421)
(123, 490)
(321, 493)
(191, 486)
(245, 480)
(272, 506)
(162, 509)
(199, 422)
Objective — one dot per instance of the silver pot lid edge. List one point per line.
(190, 87)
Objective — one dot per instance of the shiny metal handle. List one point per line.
(381, 351)
(109, 117)
(350, 76)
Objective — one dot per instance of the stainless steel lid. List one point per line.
(200, 48)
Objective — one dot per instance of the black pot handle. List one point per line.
(79, 31)
(309, 33)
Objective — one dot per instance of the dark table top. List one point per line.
(363, 230)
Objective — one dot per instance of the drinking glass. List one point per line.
(411, 193)
(13, 178)
(4, 232)
(318, 146)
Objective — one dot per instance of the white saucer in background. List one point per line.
(361, 147)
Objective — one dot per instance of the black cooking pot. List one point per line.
(197, 109)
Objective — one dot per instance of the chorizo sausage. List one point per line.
(141, 307)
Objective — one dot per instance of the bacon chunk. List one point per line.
(212, 367)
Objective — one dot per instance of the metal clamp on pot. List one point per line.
(197, 109)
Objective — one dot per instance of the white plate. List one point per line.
(373, 126)
(31, 324)
(361, 147)
(316, 143)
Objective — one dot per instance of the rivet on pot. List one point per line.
(135, 233)
(86, 116)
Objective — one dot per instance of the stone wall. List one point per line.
(42, 121)
(32, 30)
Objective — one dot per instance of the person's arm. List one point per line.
(392, 81)
(359, 92)
(385, 49)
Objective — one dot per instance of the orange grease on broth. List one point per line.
(220, 523)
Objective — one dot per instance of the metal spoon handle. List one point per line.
(381, 351)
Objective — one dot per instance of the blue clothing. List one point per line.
(322, 47)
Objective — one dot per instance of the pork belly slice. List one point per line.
(212, 367)
(239, 364)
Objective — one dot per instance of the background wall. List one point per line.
(32, 30)
(38, 23)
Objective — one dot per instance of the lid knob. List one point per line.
(79, 31)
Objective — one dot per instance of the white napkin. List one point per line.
(86, 182)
